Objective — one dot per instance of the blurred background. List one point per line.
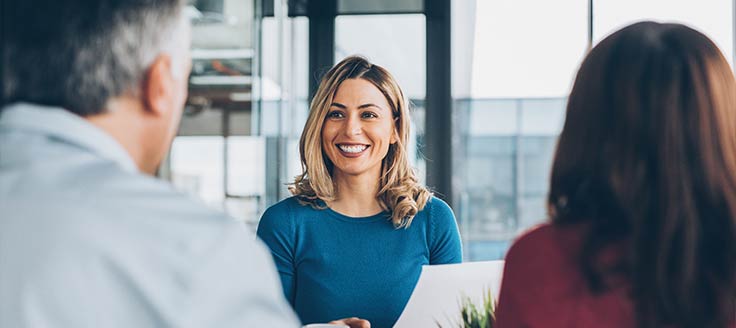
(488, 81)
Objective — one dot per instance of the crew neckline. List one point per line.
(360, 219)
(385, 215)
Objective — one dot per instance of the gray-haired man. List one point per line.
(87, 237)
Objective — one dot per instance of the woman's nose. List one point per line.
(353, 126)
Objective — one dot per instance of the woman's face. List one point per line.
(358, 129)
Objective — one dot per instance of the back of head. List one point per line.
(647, 158)
(78, 54)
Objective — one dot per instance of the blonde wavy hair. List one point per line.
(399, 191)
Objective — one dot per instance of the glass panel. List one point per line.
(512, 69)
(222, 60)
(523, 53)
(397, 43)
(197, 167)
(236, 146)
(219, 103)
(714, 17)
(283, 105)
(246, 178)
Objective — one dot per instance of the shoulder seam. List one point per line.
(430, 226)
(292, 227)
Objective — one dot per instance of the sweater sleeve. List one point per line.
(445, 246)
(276, 229)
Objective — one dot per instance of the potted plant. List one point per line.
(473, 316)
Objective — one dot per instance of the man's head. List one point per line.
(121, 64)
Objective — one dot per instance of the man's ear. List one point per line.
(158, 86)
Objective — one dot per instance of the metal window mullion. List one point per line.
(321, 16)
(590, 24)
(439, 118)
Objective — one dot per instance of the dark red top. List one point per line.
(544, 287)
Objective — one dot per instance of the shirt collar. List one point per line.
(64, 125)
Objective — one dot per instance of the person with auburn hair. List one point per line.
(353, 238)
(643, 193)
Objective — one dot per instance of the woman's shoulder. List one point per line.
(547, 247)
(293, 204)
(542, 269)
(436, 214)
(436, 206)
(545, 236)
(438, 211)
(280, 208)
(284, 216)
(288, 208)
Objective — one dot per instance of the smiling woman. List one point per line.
(373, 91)
(353, 239)
(358, 131)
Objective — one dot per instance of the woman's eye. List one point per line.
(369, 115)
(335, 114)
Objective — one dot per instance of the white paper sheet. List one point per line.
(436, 299)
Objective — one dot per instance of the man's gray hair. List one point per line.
(78, 54)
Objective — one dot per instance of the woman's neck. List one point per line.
(356, 195)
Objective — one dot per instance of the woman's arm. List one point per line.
(445, 246)
(277, 231)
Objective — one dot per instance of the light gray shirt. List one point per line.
(88, 241)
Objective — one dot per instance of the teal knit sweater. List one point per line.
(333, 266)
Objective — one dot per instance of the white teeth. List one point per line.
(352, 149)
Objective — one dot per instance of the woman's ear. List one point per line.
(395, 132)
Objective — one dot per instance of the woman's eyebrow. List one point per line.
(341, 106)
(368, 105)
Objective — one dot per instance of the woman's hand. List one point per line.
(353, 322)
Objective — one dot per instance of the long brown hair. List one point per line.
(399, 190)
(647, 158)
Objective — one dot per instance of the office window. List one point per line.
(712, 17)
(514, 63)
(219, 106)
(237, 142)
